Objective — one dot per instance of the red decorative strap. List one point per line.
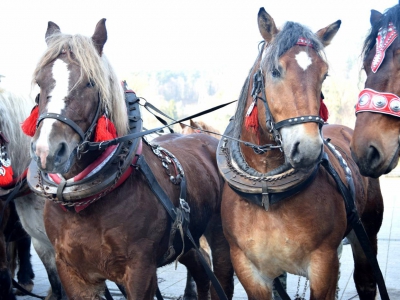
(304, 42)
(373, 101)
(385, 38)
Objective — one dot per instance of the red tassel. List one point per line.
(29, 125)
(251, 121)
(6, 178)
(105, 130)
(323, 111)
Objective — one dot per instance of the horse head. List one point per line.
(77, 88)
(375, 144)
(293, 69)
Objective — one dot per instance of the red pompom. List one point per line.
(6, 176)
(29, 125)
(251, 121)
(105, 130)
(323, 111)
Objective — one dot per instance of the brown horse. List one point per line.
(103, 223)
(281, 209)
(375, 145)
(199, 127)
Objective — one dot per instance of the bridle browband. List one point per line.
(84, 136)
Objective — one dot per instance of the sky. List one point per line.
(173, 35)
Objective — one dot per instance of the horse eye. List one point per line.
(275, 73)
(90, 84)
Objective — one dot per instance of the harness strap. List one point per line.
(26, 292)
(90, 146)
(11, 197)
(355, 221)
(171, 210)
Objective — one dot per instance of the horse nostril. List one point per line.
(60, 153)
(373, 156)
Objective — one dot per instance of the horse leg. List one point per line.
(372, 220)
(256, 286)
(6, 292)
(222, 264)
(25, 272)
(323, 274)
(47, 256)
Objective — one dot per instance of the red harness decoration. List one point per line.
(384, 39)
(29, 125)
(373, 101)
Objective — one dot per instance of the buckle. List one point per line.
(184, 205)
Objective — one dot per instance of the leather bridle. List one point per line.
(273, 127)
(84, 136)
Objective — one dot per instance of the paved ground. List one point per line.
(172, 282)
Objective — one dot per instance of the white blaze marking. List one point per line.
(303, 60)
(56, 104)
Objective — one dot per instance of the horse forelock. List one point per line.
(81, 50)
(285, 40)
(390, 15)
(13, 111)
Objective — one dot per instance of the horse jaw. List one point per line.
(302, 145)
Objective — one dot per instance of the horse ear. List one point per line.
(52, 28)
(193, 123)
(266, 25)
(375, 17)
(326, 34)
(99, 37)
(182, 125)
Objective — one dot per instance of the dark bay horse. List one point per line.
(376, 146)
(14, 108)
(104, 227)
(281, 209)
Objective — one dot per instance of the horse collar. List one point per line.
(261, 189)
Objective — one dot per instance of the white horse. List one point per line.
(14, 109)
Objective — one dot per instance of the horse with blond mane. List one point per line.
(105, 211)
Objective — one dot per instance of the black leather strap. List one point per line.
(26, 292)
(355, 221)
(170, 208)
(63, 119)
(90, 146)
(299, 120)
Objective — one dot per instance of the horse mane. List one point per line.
(81, 50)
(390, 15)
(285, 40)
(282, 42)
(13, 111)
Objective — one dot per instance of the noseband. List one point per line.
(84, 136)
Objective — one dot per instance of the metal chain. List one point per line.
(247, 176)
(303, 295)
